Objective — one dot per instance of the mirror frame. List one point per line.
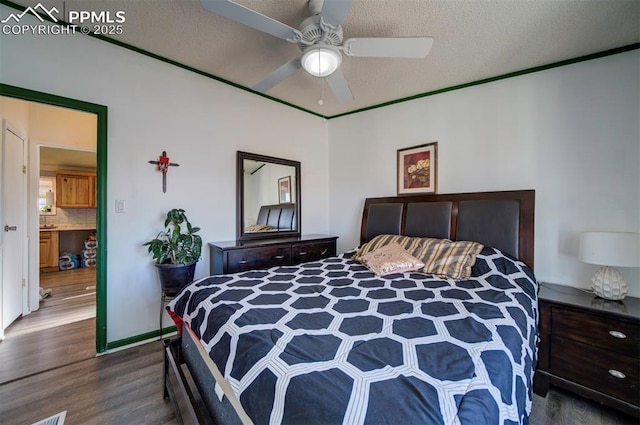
(240, 233)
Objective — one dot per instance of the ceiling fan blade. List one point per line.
(334, 12)
(339, 86)
(251, 18)
(278, 75)
(401, 47)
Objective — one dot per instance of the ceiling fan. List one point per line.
(321, 41)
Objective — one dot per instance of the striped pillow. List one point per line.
(406, 242)
(441, 257)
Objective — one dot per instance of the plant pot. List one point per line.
(174, 277)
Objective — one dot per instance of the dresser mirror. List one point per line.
(268, 197)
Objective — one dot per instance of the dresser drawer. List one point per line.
(258, 258)
(595, 368)
(304, 253)
(612, 334)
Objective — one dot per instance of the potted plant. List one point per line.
(176, 250)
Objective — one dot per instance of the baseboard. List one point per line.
(144, 338)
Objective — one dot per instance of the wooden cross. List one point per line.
(163, 165)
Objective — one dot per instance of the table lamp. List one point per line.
(610, 249)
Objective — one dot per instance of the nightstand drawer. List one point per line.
(610, 373)
(258, 258)
(608, 333)
(313, 251)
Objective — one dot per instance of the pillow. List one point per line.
(441, 257)
(406, 242)
(257, 228)
(391, 258)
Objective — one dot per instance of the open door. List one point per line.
(13, 225)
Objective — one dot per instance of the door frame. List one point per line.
(101, 196)
(7, 126)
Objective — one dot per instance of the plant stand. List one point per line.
(165, 298)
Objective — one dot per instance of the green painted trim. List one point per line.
(170, 62)
(139, 338)
(101, 209)
(355, 111)
(598, 55)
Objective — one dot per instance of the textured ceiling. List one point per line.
(474, 40)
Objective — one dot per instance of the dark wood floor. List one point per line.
(61, 332)
(48, 365)
(118, 388)
(561, 407)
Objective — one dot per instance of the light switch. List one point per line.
(120, 206)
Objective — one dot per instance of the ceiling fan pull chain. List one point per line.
(321, 100)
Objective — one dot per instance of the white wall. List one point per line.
(570, 133)
(62, 127)
(201, 124)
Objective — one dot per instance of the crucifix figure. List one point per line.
(163, 165)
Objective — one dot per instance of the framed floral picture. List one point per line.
(284, 190)
(418, 169)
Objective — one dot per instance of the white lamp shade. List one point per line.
(321, 61)
(618, 249)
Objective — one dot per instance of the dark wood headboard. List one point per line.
(504, 220)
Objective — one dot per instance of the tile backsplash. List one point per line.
(85, 217)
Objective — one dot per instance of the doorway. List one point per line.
(64, 315)
(100, 112)
(67, 235)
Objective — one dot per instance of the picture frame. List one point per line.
(284, 190)
(418, 169)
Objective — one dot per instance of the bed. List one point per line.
(276, 217)
(330, 342)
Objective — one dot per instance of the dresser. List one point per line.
(589, 346)
(238, 256)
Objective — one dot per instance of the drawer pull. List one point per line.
(279, 257)
(617, 374)
(324, 251)
(617, 334)
(243, 262)
(303, 253)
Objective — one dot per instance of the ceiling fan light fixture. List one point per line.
(321, 61)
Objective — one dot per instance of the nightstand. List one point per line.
(590, 346)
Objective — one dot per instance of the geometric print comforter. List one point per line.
(328, 342)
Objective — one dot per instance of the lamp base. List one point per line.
(608, 283)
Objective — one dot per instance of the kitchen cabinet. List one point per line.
(49, 246)
(75, 189)
(93, 190)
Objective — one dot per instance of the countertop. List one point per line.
(67, 228)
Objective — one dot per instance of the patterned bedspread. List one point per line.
(330, 343)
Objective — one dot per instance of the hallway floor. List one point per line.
(61, 332)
